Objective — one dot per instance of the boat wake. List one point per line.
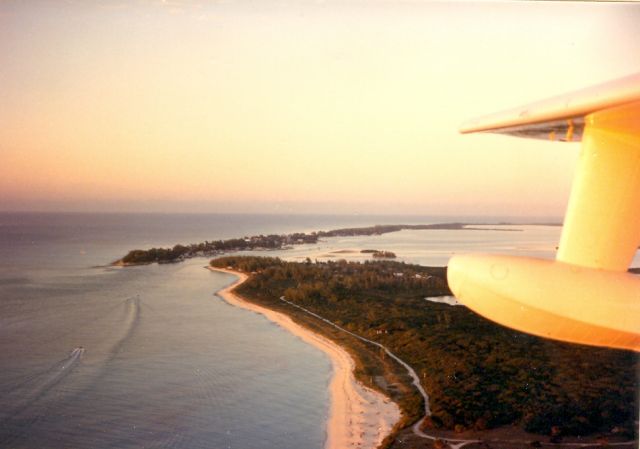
(37, 396)
(31, 390)
(95, 373)
(130, 323)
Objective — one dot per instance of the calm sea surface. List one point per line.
(98, 357)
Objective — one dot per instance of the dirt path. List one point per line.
(415, 380)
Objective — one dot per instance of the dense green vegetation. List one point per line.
(211, 248)
(478, 374)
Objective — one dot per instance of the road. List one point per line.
(452, 443)
(415, 380)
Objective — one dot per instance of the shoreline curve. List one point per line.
(359, 417)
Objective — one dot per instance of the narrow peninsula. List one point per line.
(214, 248)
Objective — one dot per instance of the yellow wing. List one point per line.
(586, 295)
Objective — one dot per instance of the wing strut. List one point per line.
(586, 295)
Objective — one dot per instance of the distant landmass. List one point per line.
(384, 255)
(275, 241)
(377, 254)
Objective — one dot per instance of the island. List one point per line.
(383, 255)
(215, 247)
(378, 254)
(480, 377)
(212, 248)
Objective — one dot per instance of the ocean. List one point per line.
(97, 356)
(100, 357)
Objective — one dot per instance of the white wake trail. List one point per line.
(36, 388)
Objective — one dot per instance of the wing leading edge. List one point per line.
(561, 117)
(586, 295)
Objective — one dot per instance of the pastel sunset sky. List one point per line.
(293, 106)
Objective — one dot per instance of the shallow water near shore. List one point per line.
(103, 357)
(150, 357)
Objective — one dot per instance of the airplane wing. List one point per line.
(586, 295)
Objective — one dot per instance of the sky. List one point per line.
(346, 107)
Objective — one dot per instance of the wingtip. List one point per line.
(467, 127)
(536, 120)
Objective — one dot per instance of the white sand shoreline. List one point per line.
(359, 417)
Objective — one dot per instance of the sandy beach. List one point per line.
(359, 417)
